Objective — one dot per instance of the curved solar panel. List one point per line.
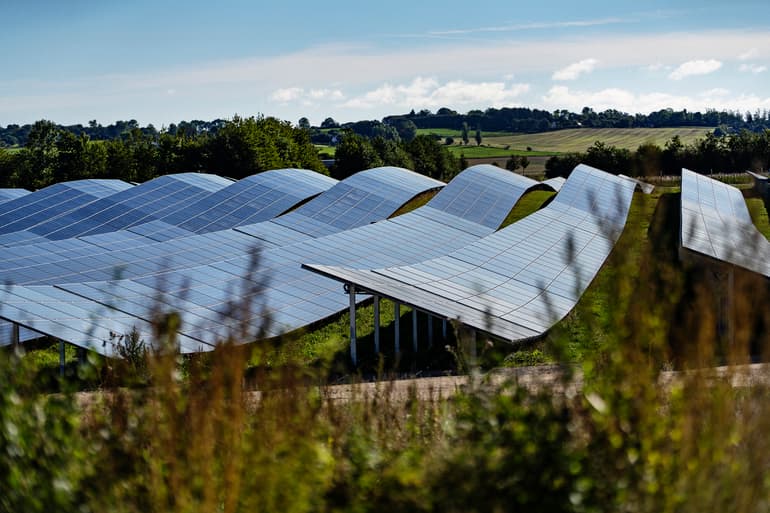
(141, 203)
(70, 260)
(10, 194)
(295, 297)
(251, 200)
(517, 282)
(53, 201)
(716, 223)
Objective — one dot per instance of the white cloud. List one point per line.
(287, 94)
(752, 68)
(696, 67)
(715, 92)
(531, 26)
(657, 66)
(430, 93)
(305, 97)
(561, 97)
(576, 69)
(749, 54)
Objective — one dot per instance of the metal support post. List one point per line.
(430, 330)
(414, 329)
(15, 339)
(443, 328)
(397, 325)
(62, 358)
(377, 324)
(352, 292)
(731, 307)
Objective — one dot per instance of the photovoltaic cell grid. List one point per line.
(139, 204)
(11, 194)
(295, 297)
(391, 187)
(517, 282)
(70, 260)
(73, 319)
(53, 201)
(292, 187)
(716, 223)
(251, 200)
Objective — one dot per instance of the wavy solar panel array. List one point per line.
(122, 210)
(17, 215)
(716, 223)
(474, 204)
(11, 194)
(358, 200)
(363, 198)
(517, 282)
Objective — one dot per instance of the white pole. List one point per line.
(352, 292)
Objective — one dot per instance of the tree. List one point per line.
(354, 153)
(562, 165)
(406, 129)
(432, 158)
(329, 123)
(463, 162)
(465, 133)
(478, 137)
(392, 153)
(304, 123)
(449, 141)
(513, 163)
(524, 162)
(244, 146)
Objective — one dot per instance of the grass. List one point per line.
(528, 203)
(578, 139)
(759, 215)
(458, 134)
(486, 150)
(324, 150)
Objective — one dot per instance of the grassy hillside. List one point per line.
(573, 140)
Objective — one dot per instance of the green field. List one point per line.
(458, 134)
(578, 139)
(502, 144)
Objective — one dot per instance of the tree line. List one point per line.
(422, 154)
(237, 148)
(523, 119)
(715, 153)
(404, 126)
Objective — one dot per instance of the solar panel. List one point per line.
(295, 297)
(40, 206)
(142, 203)
(71, 318)
(10, 194)
(72, 261)
(517, 282)
(251, 200)
(716, 223)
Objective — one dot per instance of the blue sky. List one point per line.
(163, 61)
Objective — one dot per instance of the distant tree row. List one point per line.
(723, 153)
(236, 148)
(522, 119)
(403, 127)
(422, 154)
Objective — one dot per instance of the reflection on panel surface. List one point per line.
(716, 223)
(517, 282)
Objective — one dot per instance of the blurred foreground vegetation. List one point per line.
(618, 431)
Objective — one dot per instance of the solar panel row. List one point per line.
(716, 223)
(363, 198)
(517, 282)
(295, 297)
